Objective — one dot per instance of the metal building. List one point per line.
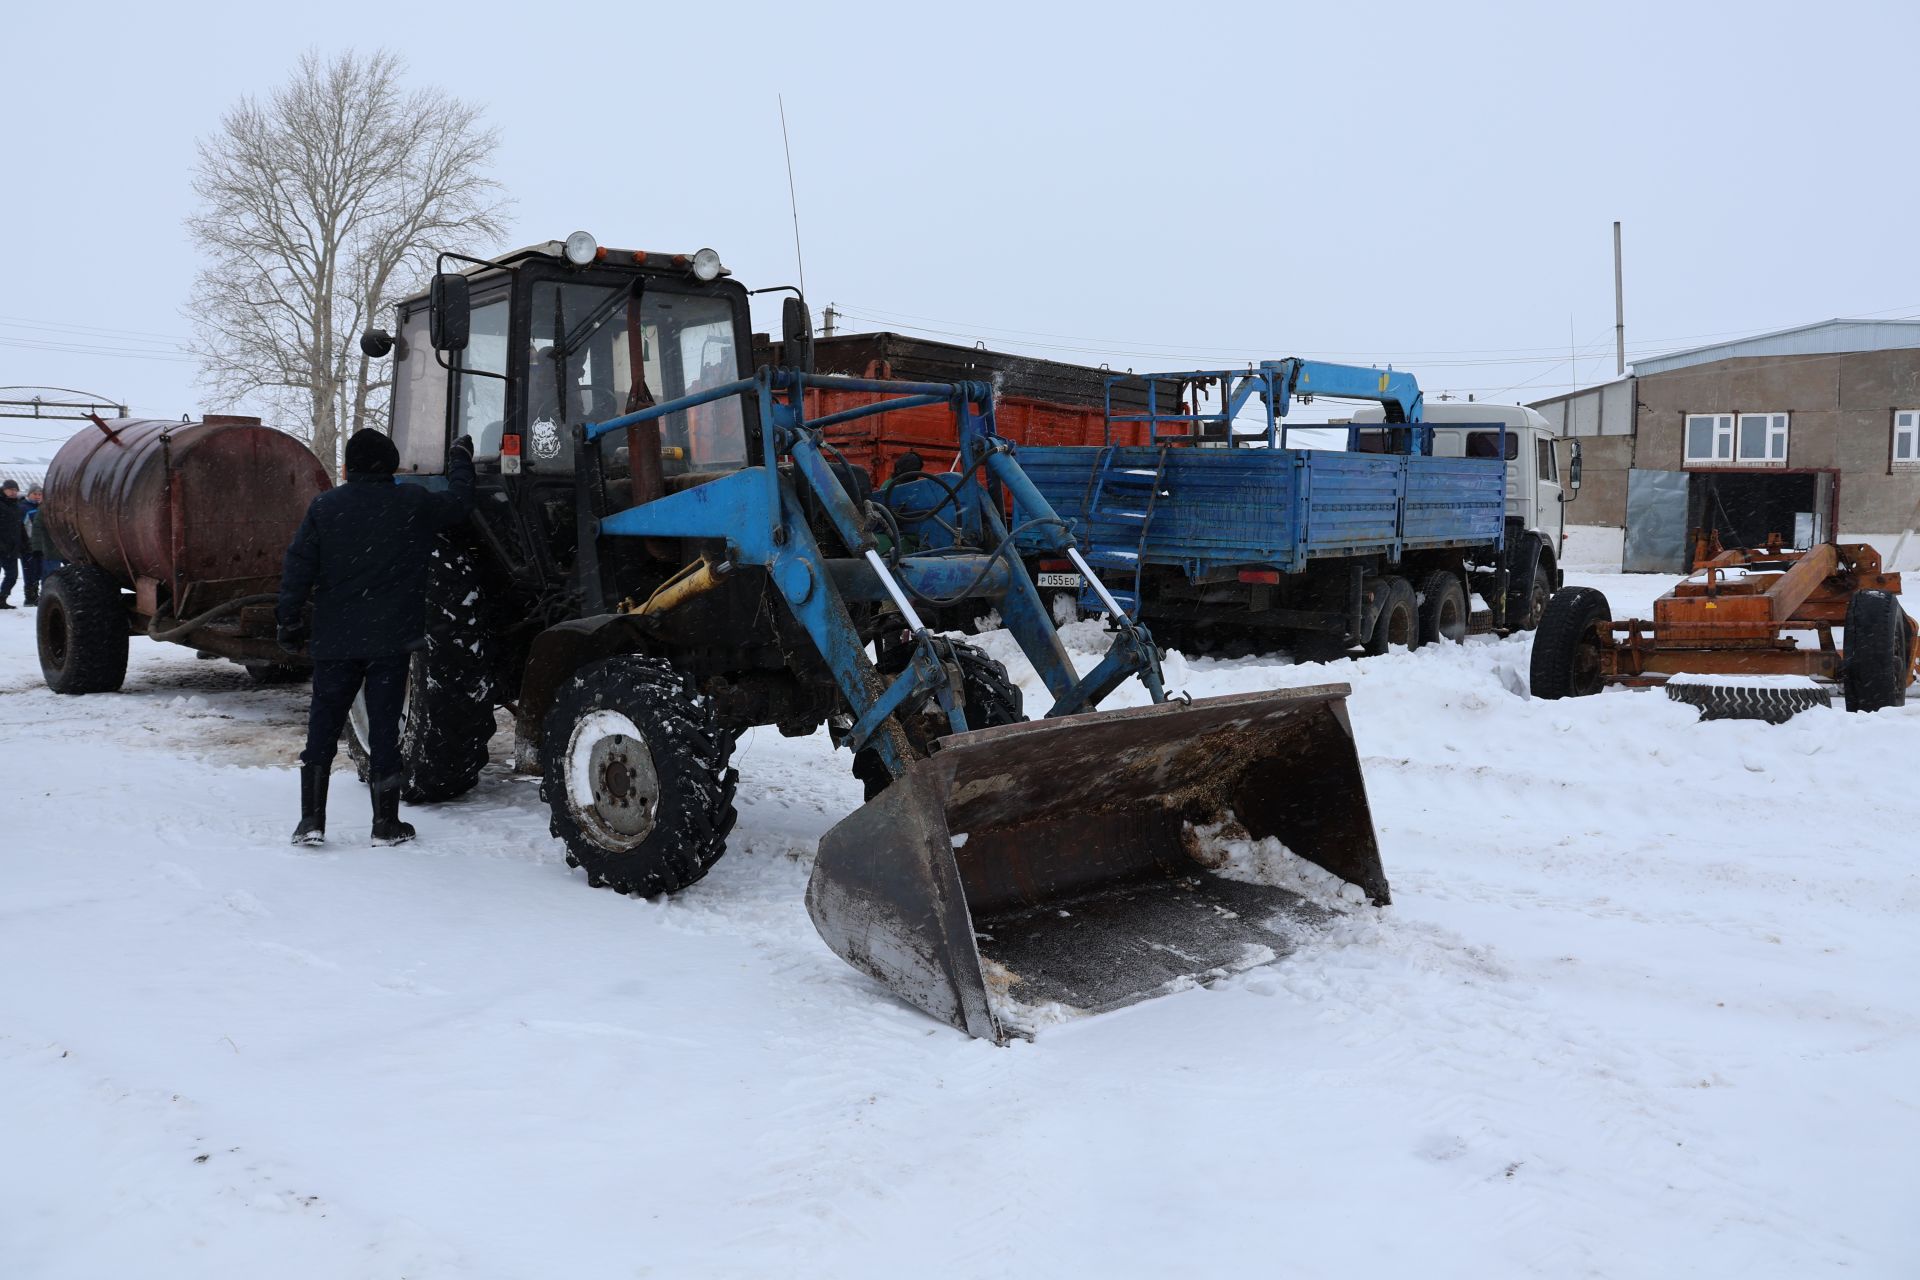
(1811, 432)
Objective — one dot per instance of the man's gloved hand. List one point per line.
(292, 637)
(464, 445)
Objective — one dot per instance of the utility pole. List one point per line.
(830, 316)
(1619, 312)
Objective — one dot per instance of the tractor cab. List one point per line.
(520, 351)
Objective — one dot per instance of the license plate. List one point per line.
(1058, 580)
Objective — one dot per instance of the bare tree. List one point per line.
(322, 206)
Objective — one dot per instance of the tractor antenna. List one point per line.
(793, 201)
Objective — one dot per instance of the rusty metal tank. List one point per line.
(189, 515)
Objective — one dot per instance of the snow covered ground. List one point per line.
(1644, 1006)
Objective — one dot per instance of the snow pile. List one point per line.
(1230, 851)
(1642, 1007)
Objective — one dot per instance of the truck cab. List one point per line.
(1538, 486)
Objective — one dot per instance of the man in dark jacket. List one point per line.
(40, 558)
(361, 555)
(13, 539)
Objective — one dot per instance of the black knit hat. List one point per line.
(369, 453)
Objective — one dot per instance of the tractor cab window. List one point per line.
(580, 370)
(481, 404)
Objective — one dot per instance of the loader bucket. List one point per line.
(1053, 862)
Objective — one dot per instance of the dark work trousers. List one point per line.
(10, 575)
(335, 682)
(36, 569)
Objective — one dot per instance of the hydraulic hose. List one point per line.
(177, 630)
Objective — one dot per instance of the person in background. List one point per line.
(13, 539)
(41, 558)
(361, 557)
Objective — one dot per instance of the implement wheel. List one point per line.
(1443, 607)
(1567, 646)
(1399, 620)
(82, 631)
(634, 772)
(1878, 653)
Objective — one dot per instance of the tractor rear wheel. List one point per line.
(448, 716)
(1443, 607)
(82, 631)
(1566, 647)
(1878, 653)
(634, 772)
(1399, 620)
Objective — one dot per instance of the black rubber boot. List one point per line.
(313, 804)
(387, 827)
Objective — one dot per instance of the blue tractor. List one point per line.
(667, 553)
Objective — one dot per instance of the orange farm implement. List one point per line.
(1743, 614)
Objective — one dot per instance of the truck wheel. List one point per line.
(992, 699)
(1878, 657)
(82, 630)
(1399, 619)
(1530, 587)
(1443, 607)
(1566, 648)
(447, 719)
(635, 776)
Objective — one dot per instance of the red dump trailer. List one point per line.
(175, 531)
(1042, 402)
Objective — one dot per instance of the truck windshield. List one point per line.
(580, 369)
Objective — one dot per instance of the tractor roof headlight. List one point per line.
(706, 266)
(581, 248)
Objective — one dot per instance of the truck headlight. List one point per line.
(581, 248)
(706, 266)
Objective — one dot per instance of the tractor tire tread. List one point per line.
(697, 784)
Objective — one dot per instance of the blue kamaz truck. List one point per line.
(1220, 531)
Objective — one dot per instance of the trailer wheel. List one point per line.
(992, 699)
(1443, 607)
(1399, 618)
(635, 776)
(1566, 648)
(447, 719)
(82, 631)
(1878, 657)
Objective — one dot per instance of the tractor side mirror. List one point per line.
(449, 312)
(1573, 465)
(796, 333)
(376, 343)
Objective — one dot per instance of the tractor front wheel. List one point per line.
(634, 772)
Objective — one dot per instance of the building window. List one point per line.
(1906, 440)
(1709, 438)
(1763, 439)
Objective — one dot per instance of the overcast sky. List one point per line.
(1168, 186)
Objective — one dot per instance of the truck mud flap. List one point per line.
(1054, 864)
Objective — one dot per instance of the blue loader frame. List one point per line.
(758, 512)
